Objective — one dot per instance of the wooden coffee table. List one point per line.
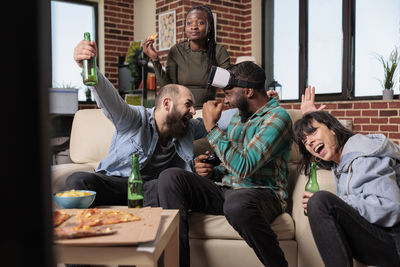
(167, 241)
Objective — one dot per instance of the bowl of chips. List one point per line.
(74, 199)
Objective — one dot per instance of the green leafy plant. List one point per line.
(64, 84)
(389, 68)
(132, 59)
(88, 94)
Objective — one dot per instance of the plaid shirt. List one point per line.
(255, 153)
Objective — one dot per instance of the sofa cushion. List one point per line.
(204, 226)
(223, 253)
(59, 174)
(90, 136)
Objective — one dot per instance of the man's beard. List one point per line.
(174, 124)
(243, 106)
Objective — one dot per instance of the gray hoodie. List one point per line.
(368, 178)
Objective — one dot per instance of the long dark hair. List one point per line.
(303, 127)
(210, 43)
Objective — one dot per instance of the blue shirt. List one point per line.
(136, 132)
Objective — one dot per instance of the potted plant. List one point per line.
(132, 61)
(88, 95)
(389, 70)
(63, 98)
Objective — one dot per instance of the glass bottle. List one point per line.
(89, 72)
(312, 183)
(135, 185)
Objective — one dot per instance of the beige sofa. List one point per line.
(214, 243)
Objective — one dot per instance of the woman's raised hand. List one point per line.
(308, 101)
(148, 48)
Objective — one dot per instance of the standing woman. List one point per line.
(363, 220)
(189, 62)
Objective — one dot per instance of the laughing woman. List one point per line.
(363, 220)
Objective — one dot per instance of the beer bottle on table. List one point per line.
(89, 72)
(135, 185)
(312, 183)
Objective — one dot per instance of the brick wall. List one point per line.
(377, 116)
(118, 34)
(233, 27)
(233, 23)
(234, 31)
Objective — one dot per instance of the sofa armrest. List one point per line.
(59, 174)
(308, 255)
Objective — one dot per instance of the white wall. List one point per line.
(100, 41)
(144, 18)
(256, 28)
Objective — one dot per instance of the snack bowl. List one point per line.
(74, 199)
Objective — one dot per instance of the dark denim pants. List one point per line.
(342, 234)
(249, 211)
(111, 190)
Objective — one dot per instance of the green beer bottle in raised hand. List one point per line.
(89, 72)
(312, 183)
(135, 185)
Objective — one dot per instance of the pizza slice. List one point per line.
(74, 232)
(154, 36)
(60, 216)
(95, 216)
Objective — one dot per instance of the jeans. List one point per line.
(249, 211)
(111, 190)
(342, 234)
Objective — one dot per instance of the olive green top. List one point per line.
(189, 68)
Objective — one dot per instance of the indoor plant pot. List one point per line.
(389, 70)
(387, 94)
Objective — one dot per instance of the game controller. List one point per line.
(212, 159)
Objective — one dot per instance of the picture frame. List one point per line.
(166, 30)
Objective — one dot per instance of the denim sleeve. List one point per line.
(198, 129)
(225, 118)
(114, 107)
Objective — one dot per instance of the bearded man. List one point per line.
(250, 185)
(162, 137)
